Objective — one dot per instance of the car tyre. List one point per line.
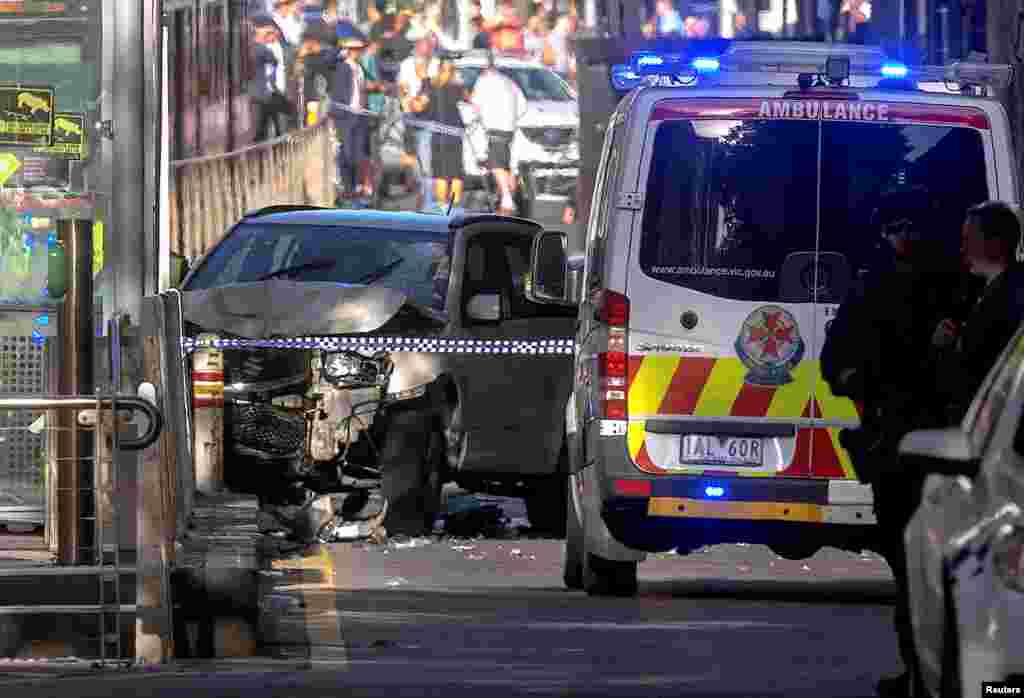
(572, 561)
(546, 504)
(412, 473)
(603, 577)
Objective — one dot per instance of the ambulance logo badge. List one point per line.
(770, 346)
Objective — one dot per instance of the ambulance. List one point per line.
(733, 212)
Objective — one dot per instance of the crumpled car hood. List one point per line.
(282, 308)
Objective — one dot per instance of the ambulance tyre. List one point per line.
(572, 562)
(603, 577)
(412, 466)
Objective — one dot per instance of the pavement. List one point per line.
(460, 616)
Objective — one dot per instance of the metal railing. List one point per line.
(211, 193)
(106, 414)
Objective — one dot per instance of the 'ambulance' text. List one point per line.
(833, 111)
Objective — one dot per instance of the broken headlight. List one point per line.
(347, 368)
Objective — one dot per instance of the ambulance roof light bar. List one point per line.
(831, 62)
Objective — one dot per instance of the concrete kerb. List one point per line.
(14, 670)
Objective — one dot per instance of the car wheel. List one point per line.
(412, 471)
(603, 577)
(572, 561)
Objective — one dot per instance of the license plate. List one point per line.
(715, 450)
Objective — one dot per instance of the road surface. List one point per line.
(490, 618)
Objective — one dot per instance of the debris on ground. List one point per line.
(332, 517)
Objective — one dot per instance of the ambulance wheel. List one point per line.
(572, 562)
(412, 464)
(609, 577)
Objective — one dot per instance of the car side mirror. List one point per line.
(549, 281)
(484, 307)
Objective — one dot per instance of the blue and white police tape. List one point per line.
(411, 122)
(421, 345)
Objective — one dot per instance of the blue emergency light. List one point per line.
(650, 63)
(894, 70)
(714, 491)
(624, 78)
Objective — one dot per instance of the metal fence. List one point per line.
(209, 194)
(94, 523)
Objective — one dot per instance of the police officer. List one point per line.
(991, 236)
(878, 351)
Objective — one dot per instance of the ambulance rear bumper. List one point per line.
(686, 512)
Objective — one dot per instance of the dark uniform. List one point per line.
(878, 352)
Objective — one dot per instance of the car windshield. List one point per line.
(537, 84)
(413, 262)
(714, 222)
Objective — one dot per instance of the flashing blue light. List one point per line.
(43, 320)
(28, 240)
(51, 240)
(894, 70)
(706, 65)
(714, 491)
(38, 338)
(624, 78)
(650, 60)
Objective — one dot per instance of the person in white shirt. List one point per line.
(289, 17)
(501, 105)
(417, 141)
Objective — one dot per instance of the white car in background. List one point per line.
(545, 150)
(965, 544)
(548, 137)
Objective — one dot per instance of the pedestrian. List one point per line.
(376, 94)
(558, 41)
(506, 29)
(288, 16)
(350, 114)
(416, 69)
(991, 238)
(446, 92)
(314, 69)
(481, 37)
(269, 83)
(670, 22)
(501, 105)
(878, 352)
(535, 41)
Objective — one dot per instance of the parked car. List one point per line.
(309, 418)
(19, 515)
(965, 544)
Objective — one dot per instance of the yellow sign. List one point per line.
(9, 164)
(68, 137)
(26, 115)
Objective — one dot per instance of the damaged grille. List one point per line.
(267, 430)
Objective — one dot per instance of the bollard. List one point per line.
(208, 419)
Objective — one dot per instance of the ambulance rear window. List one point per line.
(729, 203)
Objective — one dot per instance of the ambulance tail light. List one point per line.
(612, 364)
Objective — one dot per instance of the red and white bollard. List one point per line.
(208, 417)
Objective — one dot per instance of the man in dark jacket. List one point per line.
(268, 85)
(349, 110)
(877, 351)
(318, 58)
(991, 236)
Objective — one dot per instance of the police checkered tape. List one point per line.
(422, 124)
(423, 345)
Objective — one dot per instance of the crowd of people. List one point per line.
(307, 66)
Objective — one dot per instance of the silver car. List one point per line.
(965, 544)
